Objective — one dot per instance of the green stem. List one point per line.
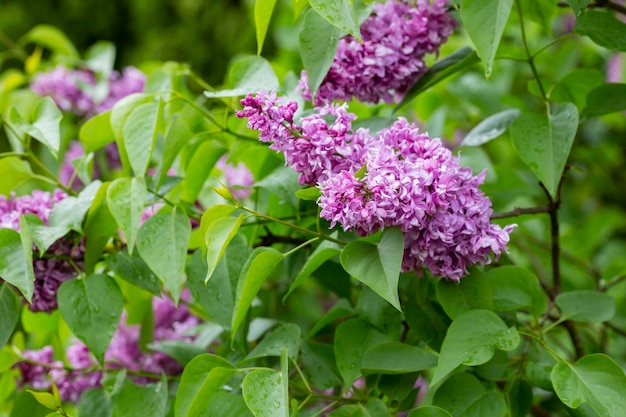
(531, 59)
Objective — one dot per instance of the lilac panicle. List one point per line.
(238, 177)
(398, 178)
(396, 38)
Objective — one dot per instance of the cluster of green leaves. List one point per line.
(302, 320)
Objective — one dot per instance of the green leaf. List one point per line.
(96, 132)
(125, 198)
(377, 265)
(585, 306)
(544, 143)
(199, 168)
(490, 128)
(341, 309)
(462, 395)
(318, 45)
(45, 126)
(282, 182)
(99, 228)
(70, 211)
(520, 398)
(162, 242)
(605, 99)
(52, 38)
(325, 251)
(594, 379)
(575, 86)
(603, 28)
(92, 308)
(284, 336)
(177, 135)
(218, 235)
(46, 399)
(309, 194)
(136, 400)
(133, 269)
(429, 411)
(249, 74)
(202, 379)
(484, 21)
(95, 402)
(262, 15)
(119, 115)
(100, 57)
(471, 340)
(540, 11)
(339, 13)
(257, 269)
(318, 362)
(139, 134)
(578, 6)
(472, 292)
(450, 65)
(16, 264)
(9, 311)
(428, 321)
(43, 236)
(264, 393)
(396, 358)
(516, 288)
(14, 172)
(374, 407)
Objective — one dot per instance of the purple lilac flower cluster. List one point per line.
(396, 38)
(238, 177)
(397, 178)
(124, 352)
(72, 89)
(57, 264)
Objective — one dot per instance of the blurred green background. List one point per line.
(145, 30)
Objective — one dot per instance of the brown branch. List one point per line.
(518, 211)
(609, 5)
(576, 339)
(555, 248)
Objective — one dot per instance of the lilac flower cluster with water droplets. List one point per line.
(396, 38)
(399, 177)
(82, 372)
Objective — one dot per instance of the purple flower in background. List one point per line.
(236, 176)
(396, 37)
(72, 89)
(124, 352)
(397, 178)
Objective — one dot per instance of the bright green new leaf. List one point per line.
(484, 21)
(606, 99)
(46, 399)
(70, 211)
(429, 411)
(594, 379)
(199, 167)
(217, 237)
(96, 132)
(43, 236)
(377, 265)
(16, 264)
(396, 358)
(585, 306)
(448, 66)
(162, 242)
(285, 336)
(248, 75)
(257, 269)
(318, 44)
(177, 136)
(471, 340)
(340, 14)
(139, 135)
(516, 288)
(544, 142)
(462, 395)
(45, 126)
(14, 172)
(119, 115)
(212, 214)
(125, 198)
(603, 28)
(309, 194)
(52, 38)
(262, 15)
(472, 292)
(9, 311)
(100, 57)
(490, 128)
(325, 251)
(92, 308)
(264, 393)
(202, 378)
